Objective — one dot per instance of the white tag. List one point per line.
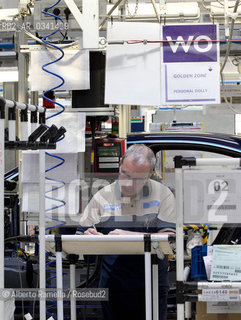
(219, 295)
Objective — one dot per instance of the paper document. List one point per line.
(208, 265)
(226, 263)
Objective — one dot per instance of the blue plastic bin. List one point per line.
(198, 271)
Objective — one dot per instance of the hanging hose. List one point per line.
(60, 184)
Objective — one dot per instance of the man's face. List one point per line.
(132, 177)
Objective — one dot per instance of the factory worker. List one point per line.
(133, 204)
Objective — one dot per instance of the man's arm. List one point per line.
(89, 218)
(166, 210)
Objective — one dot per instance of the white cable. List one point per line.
(66, 45)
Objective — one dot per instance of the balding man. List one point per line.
(133, 204)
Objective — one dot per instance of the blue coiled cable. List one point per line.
(61, 184)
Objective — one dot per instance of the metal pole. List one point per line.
(24, 124)
(2, 140)
(59, 277)
(108, 238)
(155, 289)
(218, 161)
(179, 235)
(72, 287)
(121, 122)
(218, 285)
(60, 305)
(188, 310)
(42, 259)
(109, 13)
(10, 92)
(147, 246)
(12, 130)
(22, 68)
(21, 39)
(156, 10)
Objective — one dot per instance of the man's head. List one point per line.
(136, 167)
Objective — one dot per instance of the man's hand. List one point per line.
(120, 232)
(92, 231)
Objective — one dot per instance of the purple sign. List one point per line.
(190, 43)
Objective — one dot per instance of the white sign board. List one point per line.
(190, 64)
(212, 196)
(133, 70)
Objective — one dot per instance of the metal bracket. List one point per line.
(88, 21)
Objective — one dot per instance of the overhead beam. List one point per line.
(88, 21)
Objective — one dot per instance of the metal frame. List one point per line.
(42, 256)
(179, 228)
(23, 107)
(88, 21)
(146, 239)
